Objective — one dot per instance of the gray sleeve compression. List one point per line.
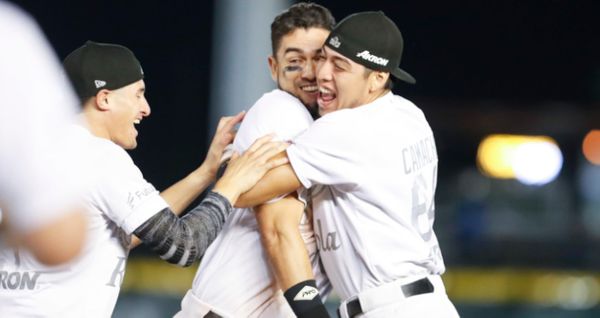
(183, 240)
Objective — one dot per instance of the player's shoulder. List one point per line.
(103, 152)
(278, 101)
(410, 111)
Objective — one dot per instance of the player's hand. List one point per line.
(244, 171)
(224, 136)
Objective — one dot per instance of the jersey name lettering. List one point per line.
(327, 243)
(19, 280)
(419, 154)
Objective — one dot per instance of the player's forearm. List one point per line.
(289, 258)
(277, 182)
(184, 240)
(180, 195)
(281, 238)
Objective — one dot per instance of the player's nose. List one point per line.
(145, 108)
(309, 71)
(324, 72)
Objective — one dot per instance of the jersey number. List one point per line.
(423, 209)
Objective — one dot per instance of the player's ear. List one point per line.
(377, 80)
(273, 67)
(101, 100)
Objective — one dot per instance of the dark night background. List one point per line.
(482, 67)
(516, 54)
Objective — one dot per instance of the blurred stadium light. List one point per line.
(591, 146)
(532, 160)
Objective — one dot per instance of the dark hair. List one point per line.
(389, 84)
(300, 15)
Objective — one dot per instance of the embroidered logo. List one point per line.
(99, 83)
(335, 42)
(365, 55)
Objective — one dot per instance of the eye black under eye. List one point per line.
(292, 68)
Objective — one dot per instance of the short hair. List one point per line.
(300, 15)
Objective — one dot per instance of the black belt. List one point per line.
(211, 314)
(421, 286)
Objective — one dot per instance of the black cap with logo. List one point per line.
(372, 40)
(95, 66)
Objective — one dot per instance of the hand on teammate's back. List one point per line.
(224, 136)
(244, 171)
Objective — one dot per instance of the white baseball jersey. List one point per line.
(374, 171)
(36, 104)
(119, 201)
(234, 277)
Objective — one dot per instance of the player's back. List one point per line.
(234, 277)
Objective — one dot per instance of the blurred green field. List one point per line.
(153, 288)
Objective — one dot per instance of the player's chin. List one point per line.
(130, 144)
(309, 98)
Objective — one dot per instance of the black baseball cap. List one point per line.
(95, 66)
(372, 40)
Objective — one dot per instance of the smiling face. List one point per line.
(344, 83)
(128, 106)
(294, 66)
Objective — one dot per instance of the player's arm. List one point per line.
(280, 235)
(55, 242)
(275, 183)
(68, 232)
(183, 240)
(180, 195)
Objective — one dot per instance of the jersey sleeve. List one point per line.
(129, 200)
(326, 154)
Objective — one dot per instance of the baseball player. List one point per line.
(371, 161)
(235, 279)
(37, 102)
(109, 80)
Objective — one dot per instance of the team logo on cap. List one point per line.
(99, 83)
(335, 42)
(365, 55)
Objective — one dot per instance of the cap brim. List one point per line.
(404, 76)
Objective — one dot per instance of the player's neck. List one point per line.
(373, 96)
(94, 123)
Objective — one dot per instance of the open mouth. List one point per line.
(136, 122)
(326, 97)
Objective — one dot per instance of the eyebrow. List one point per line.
(141, 90)
(297, 50)
(292, 49)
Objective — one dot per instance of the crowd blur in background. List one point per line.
(510, 88)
